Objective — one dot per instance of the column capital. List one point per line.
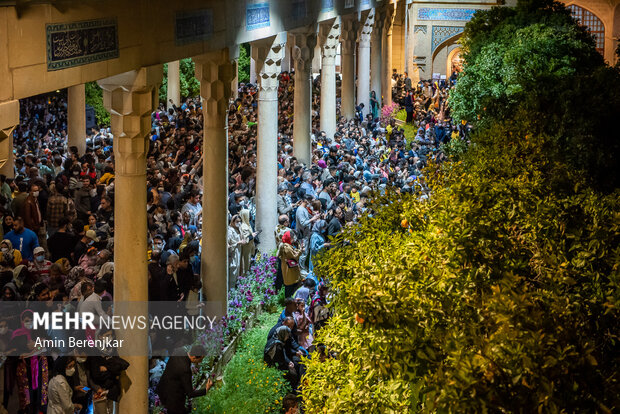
(268, 54)
(303, 41)
(366, 28)
(130, 98)
(9, 119)
(329, 37)
(348, 35)
(214, 71)
(390, 14)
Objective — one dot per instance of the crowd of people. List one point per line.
(57, 218)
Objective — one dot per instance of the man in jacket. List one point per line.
(175, 385)
(32, 212)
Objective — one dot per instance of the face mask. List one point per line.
(80, 360)
(76, 173)
(160, 189)
(157, 247)
(39, 258)
(35, 193)
(159, 217)
(90, 243)
(70, 372)
(4, 250)
(4, 330)
(28, 325)
(93, 192)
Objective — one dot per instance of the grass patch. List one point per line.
(249, 386)
(410, 130)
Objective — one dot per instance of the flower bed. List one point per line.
(249, 386)
(254, 293)
(388, 112)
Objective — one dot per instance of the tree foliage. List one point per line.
(94, 98)
(244, 63)
(500, 293)
(190, 86)
(536, 61)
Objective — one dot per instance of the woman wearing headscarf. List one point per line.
(317, 241)
(234, 250)
(60, 391)
(374, 105)
(275, 354)
(303, 325)
(247, 235)
(9, 254)
(289, 258)
(319, 313)
(32, 369)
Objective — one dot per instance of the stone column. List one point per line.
(304, 42)
(252, 67)
(130, 98)
(76, 117)
(174, 84)
(214, 70)
(234, 84)
(286, 60)
(329, 34)
(268, 55)
(348, 39)
(376, 40)
(390, 13)
(363, 63)
(9, 119)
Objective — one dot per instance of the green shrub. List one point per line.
(244, 63)
(94, 98)
(535, 64)
(249, 386)
(189, 85)
(499, 295)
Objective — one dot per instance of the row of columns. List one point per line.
(132, 96)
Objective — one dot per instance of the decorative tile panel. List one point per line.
(81, 43)
(327, 5)
(443, 33)
(298, 9)
(463, 15)
(257, 16)
(193, 26)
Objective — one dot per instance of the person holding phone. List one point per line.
(59, 391)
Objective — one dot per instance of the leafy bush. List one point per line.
(190, 86)
(244, 63)
(249, 386)
(500, 294)
(94, 98)
(535, 64)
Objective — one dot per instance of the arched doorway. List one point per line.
(592, 23)
(454, 61)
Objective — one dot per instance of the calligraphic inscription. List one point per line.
(193, 26)
(257, 16)
(327, 5)
(349, 3)
(463, 15)
(298, 9)
(81, 43)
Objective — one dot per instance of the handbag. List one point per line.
(292, 263)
